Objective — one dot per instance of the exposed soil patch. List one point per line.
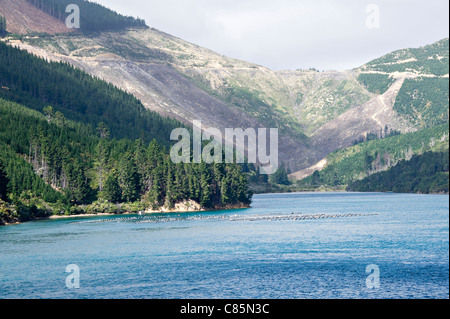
(24, 18)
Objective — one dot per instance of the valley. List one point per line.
(335, 127)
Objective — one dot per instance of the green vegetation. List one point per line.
(280, 177)
(355, 163)
(321, 99)
(95, 149)
(61, 167)
(93, 17)
(3, 183)
(252, 104)
(424, 101)
(377, 135)
(430, 59)
(426, 173)
(2, 26)
(31, 81)
(376, 83)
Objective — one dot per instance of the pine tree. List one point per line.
(111, 191)
(103, 130)
(205, 186)
(170, 192)
(3, 183)
(49, 113)
(128, 178)
(280, 176)
(141, 162)
(78, 184)
(154, 195)
(101, 163)
(225, 191)
(2, 25)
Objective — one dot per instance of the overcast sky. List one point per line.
(296, 34)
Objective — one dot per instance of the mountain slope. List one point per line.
(58, 163)
(36, 83)
(431, 60)
(316, 112)
(362, 160)
(184, 81)
(23, 18)
(425, 174)
(423, 99)
(162, 86)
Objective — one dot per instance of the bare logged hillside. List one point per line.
(316, 112)
(23, 18)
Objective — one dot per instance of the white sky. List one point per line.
(292, 34)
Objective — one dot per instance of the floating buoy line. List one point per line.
(250, 218)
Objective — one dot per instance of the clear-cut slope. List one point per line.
(316, 112)
(369, 117)
(24, 18)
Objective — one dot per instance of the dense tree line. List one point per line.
(357, 162)
(70, 141)
(93, 16)
(36, 83)
(58, 161)
(2, 26)
(383, 133)
(426, 173)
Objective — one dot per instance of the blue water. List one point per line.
(217, 255)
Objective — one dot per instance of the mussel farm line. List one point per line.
(250, 218)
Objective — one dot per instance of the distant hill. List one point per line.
(432, 59)
(426, 173)
(423, 98)
(317, 112)
(356, 163)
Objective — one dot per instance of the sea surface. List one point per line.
(286, 246)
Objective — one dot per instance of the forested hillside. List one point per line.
(355, 163)
(424, 101)
(93, 17)
(376, 83)
(432, 59)
(53, 166)
(34, 82)
(85, 146)
(426, 173)
(423, 98)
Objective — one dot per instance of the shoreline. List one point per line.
(146, 212)
(196, 209)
